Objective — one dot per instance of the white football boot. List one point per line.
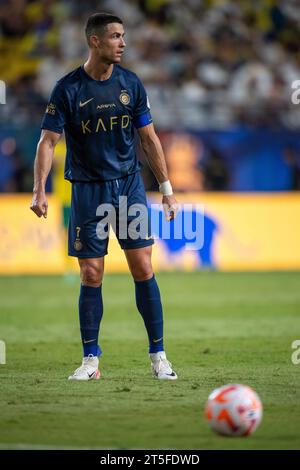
(161, 367)
(88, 370)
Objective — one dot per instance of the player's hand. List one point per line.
(170, 206)
(39, 204)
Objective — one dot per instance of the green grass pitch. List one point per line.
(219, 328)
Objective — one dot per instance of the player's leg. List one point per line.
(85, 245)
(147, 295)
(90, 314)
(90, 304)
(149, 304)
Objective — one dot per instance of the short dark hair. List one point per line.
(97, 23)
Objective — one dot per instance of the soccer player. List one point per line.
(98, 105)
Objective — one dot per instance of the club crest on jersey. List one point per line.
(51, 108)
(124, 98)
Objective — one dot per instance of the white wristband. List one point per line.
(165, 188)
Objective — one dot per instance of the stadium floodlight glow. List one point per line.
(2, 92)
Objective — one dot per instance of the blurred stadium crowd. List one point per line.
(206, 64)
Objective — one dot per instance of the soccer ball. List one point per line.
(233, 410)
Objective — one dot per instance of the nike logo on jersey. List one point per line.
(88, 341)
(85, 102)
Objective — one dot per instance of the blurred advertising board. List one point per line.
(29, 245)
(236, 231)
(242, 231)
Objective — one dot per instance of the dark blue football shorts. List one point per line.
(98, 207)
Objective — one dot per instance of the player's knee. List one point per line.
(91, 274)
(142, 271)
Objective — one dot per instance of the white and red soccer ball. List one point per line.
(233, 410)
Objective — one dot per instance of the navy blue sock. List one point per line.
(90, 314)
(149, 305)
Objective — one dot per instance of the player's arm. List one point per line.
(42, 166)
(155, 156)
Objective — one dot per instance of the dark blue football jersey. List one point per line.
(98, 118)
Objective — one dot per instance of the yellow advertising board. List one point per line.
(240, 232)
(244, 231)
(29, 245)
